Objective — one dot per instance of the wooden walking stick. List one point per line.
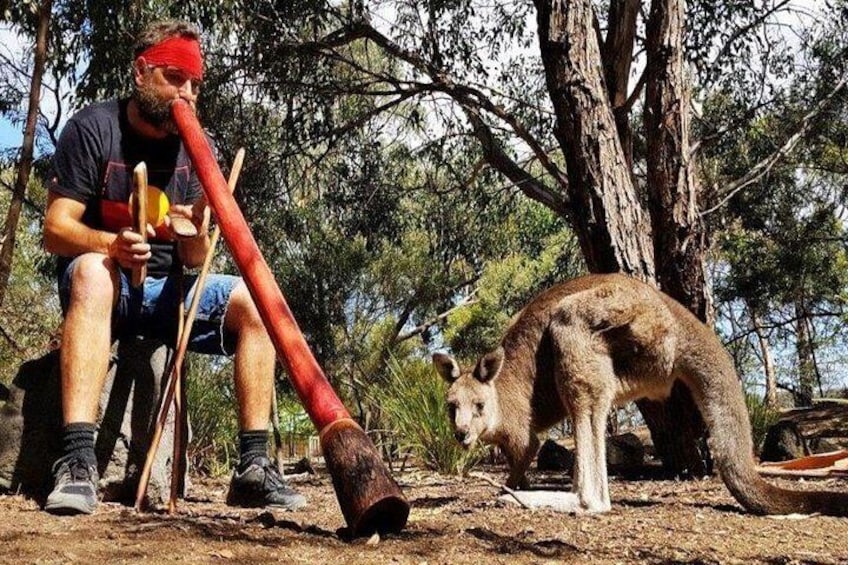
(139, 213)
(180, 408)
(182, 346)
(369, 498)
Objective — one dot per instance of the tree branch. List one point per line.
(728, 45)
(472, 100)
(421, 328)
(763, 167)
(32, 206)
(504, 164)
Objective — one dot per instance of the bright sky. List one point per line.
(9, 136)
(10, 45)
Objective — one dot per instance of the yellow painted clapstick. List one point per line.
(157, 209)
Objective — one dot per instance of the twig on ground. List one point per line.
(504, 488)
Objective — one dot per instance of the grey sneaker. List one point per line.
(261, 484)
(74, 488)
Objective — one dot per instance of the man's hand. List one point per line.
(129, 249)
(198, 214)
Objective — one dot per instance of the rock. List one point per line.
(32, 417)
(624, 451)
(805, 431)
(554, 457)
(303, 466)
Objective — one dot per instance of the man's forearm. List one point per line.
(193, 250)
(69, 238)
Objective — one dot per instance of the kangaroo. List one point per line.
(589, 343)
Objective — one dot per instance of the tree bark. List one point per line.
(806, 366)
(27, 150)
(679, 238)
(607, 213)
(614, 229)
(618, 61)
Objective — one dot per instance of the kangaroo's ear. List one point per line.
(489, 365)
(446, 366)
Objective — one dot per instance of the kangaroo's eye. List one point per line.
(478, 406)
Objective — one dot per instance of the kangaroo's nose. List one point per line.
(460, 435)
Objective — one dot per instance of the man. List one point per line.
(87, 225)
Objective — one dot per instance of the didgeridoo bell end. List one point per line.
(370, 499)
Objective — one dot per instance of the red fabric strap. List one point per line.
(178, 51)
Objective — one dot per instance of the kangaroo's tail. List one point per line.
(706, 368)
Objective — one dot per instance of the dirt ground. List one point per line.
(453, 521)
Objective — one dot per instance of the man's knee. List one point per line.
(93, 279)
(242, 313)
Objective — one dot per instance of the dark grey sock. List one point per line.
(78, 440)
(252, 444)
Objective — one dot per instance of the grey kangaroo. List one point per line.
(584, 345)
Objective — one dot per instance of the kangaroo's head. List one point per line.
(472, 397)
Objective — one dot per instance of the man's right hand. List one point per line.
(129, 249)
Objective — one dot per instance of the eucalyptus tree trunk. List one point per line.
(651, 232)
(27, 149)
(768, 362)
(678, 235)
(806, 363)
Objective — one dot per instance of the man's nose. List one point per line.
(187, 90)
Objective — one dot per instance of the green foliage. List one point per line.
(293, 419)
(504, 288)
(413, 401)
(212, 413)
(761, 416)
(30, 315)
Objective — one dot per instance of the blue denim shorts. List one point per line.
(152, 309)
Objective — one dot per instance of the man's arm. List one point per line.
(65, 234)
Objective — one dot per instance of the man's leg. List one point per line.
(254, 361)
(256, 481)
(84, 360)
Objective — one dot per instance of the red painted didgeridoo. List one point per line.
(370, 499)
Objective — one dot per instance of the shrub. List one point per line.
(414, 409)
(762, 417)
(213, 416)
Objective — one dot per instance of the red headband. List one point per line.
(178, 51)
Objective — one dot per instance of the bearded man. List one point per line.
(88, 225)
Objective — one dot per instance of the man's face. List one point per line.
(156, 88)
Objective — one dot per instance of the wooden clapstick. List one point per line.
(139, 212)
(183, 227)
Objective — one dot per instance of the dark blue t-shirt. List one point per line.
(94, 163)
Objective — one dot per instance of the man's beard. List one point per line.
(153, 109)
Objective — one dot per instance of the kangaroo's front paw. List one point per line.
(518, 483)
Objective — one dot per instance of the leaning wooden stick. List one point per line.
(139, 209)
(178, 379)
(180, 413)
(182, 346)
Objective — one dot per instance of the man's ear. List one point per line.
(489, 365)
(139, 68)
(446, 366)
